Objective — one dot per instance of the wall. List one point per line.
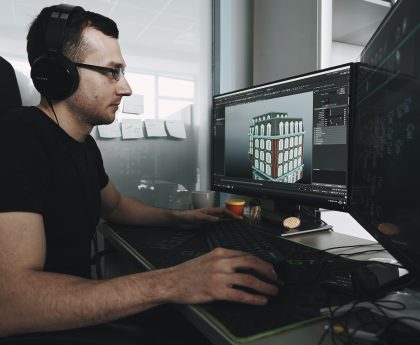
(343, 53)
(285, 38)
(234, 45)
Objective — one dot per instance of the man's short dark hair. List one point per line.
(73, 46)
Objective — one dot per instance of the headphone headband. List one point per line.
(57, 23)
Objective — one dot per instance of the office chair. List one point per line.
(9, 90)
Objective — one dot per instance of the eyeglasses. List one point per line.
(116, 72)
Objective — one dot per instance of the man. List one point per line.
(54, 190)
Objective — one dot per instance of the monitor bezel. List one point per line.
(385, 240)
(279, 195)
(387, 17)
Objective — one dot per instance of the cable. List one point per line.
(52, 108)
(367, 251)
(349, 247)
(341, 329)
(362, 252)
(96, 257)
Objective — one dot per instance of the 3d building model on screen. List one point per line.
(276, 147)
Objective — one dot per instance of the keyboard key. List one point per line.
(240, 236)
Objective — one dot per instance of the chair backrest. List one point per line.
(9, 90)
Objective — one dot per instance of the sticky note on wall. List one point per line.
(112, 130)
(133, 104)
(132, 128)
(155, 128)
(176, 129)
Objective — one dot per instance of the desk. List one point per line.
(143, 244)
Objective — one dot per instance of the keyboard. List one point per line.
(240, 236)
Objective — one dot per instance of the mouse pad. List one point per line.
(299, 301)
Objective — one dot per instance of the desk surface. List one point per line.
(143, 244)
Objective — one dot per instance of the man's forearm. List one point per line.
(132, 212)
(42, 301)
(32, 301)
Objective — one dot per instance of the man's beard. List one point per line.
(94, 118)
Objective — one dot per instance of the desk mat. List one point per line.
(298, 302)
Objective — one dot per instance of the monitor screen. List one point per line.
(386, 189)
(286, 140)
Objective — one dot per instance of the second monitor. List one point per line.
(286, 140)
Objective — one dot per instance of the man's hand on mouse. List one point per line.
(214, 276)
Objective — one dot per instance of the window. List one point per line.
(144, 84)
(163, 96)
(173, 95)
(175, 88)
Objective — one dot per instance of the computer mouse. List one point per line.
(278, 282)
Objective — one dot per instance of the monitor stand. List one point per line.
(272, 219)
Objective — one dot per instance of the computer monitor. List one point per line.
(286, 140)
(386, 142)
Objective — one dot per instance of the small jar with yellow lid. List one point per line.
(236, 206)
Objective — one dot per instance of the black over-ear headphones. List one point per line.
(53, 74)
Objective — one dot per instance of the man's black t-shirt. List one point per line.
(46, 171)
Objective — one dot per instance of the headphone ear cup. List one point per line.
(55, 76)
